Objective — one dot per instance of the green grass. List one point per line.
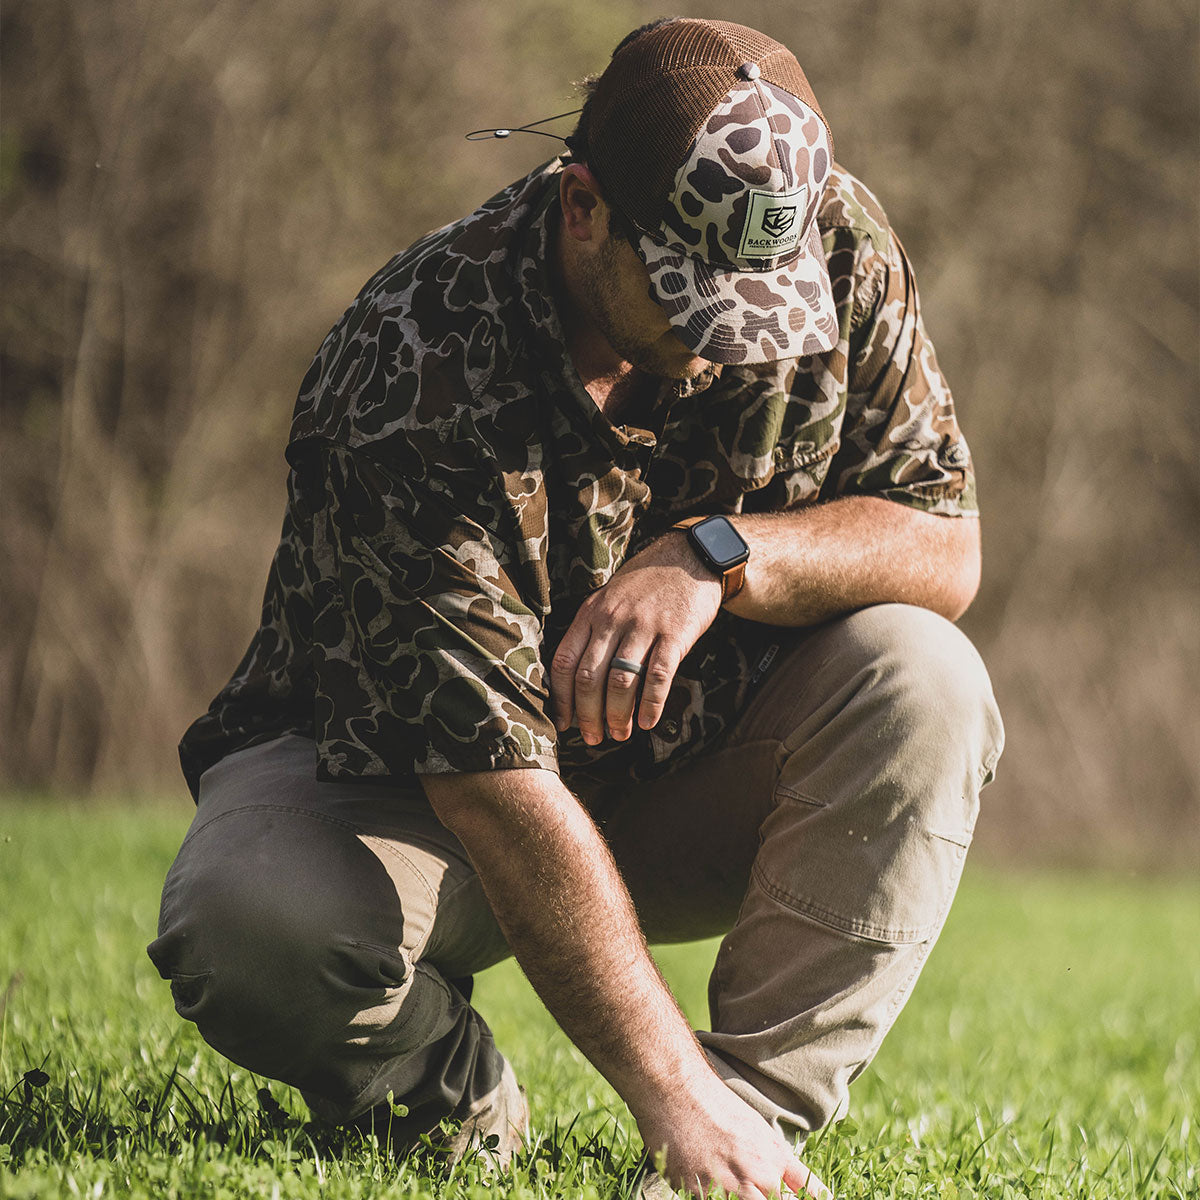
(1050, 1050)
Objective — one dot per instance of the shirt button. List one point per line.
(955, 455)
(670, 730)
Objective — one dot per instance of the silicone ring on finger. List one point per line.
(627, 664)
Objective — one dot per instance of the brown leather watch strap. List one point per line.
(733, 580)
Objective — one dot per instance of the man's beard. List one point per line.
(667, 357)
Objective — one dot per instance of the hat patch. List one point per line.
(771, 227)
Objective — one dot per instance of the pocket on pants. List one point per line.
(889, 881)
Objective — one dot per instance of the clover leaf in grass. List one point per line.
(37, 1078)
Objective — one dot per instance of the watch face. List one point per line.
(722, 543)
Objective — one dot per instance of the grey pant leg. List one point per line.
(311, 931)
(829, 831)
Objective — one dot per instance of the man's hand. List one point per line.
(725, 1143)
(652, 611)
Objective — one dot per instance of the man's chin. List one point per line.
(674, 360)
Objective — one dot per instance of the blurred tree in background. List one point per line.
(192, 192)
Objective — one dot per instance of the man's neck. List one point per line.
(607, 378)
(616, 386)
(627, 399)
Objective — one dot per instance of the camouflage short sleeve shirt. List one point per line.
(455, 495)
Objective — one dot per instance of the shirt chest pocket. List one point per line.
(801, 467)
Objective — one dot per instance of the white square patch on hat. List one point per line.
(774, 223)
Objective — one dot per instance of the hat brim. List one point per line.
(745, 316)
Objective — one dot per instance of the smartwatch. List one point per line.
(721, 549)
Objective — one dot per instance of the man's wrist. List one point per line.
(669, 1090)
(720, 548)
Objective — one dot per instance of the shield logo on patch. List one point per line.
(777, 221)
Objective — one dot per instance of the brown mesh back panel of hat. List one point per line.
(655, 96)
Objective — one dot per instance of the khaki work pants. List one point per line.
(325, 934)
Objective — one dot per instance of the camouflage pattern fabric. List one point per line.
(455, 494)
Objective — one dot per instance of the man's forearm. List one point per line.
(560, 900)
(814, 563)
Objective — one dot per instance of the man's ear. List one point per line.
(585, 214)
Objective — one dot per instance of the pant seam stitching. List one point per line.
(370, 1079)
(372, 839)
(387, 847)
(834, 921)
(960, 840)
(789, 793)
(389, 950)
(280, 808)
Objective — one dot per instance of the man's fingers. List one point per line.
(562, 670)
(656, 683)
(591, 683)
(804, 1183)
(622, 687)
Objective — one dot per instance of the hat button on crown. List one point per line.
(748, 71)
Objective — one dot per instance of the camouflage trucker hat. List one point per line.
(707, 137)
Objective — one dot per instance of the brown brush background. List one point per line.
(192, 192)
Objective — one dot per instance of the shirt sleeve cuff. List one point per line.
(505, 755)
(937, 499)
